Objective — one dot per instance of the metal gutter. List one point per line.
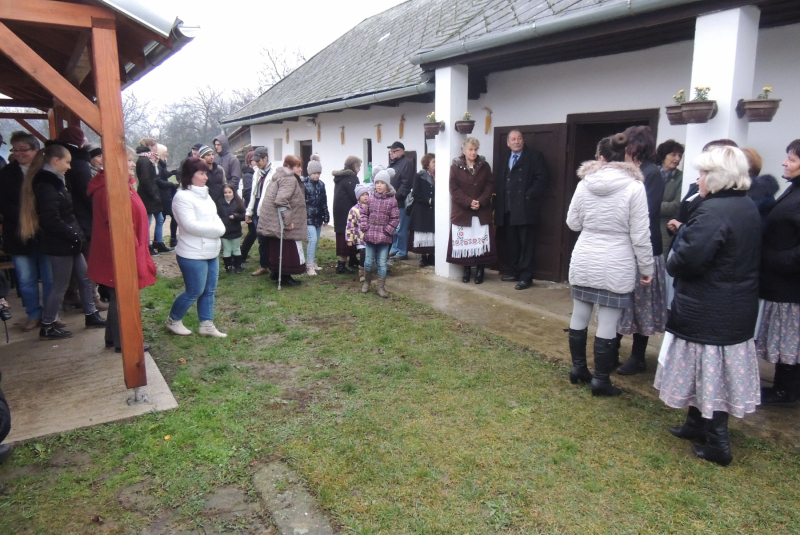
(155, 53)
(144, 14)
(375, 98)
(551, 25)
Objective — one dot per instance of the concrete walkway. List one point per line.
(537, 317)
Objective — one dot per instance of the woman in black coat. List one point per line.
(344, 198)
(422, 222)
(166, 191)
(148, 190)
(778, 339)
(48, 214)
(710, 364)
(230, 210)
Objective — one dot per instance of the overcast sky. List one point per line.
(233, 31)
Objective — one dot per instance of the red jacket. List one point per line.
(101, 268)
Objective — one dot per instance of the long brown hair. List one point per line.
(28, 218)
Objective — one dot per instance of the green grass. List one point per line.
(399, 421)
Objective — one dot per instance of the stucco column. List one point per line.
(451, 103)
(725, 60)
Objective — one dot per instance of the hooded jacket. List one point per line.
(199, 226)
(609, 209)
(101, 268)
(380, 217)
(316, 202)
(229, 163)
(285, 191)
(344, 197)
(148, 187)
(59, 234)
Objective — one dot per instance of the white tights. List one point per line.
(607, 318)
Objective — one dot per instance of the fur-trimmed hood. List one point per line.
(461, 162)
(605, 178)
(342, 174)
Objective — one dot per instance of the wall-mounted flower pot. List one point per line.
(465, 127)
(699, 111)
(675, 114)
(432, 129)
(758, 110)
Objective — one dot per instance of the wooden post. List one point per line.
(51, 119)
(60, 114)
(107, 84)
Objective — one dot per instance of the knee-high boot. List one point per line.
(577, 349)
(784, 393)
(718, 445)
(635, 363)
(693, 428)
(603, 364)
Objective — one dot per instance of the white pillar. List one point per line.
(451, 103)
(724, 60)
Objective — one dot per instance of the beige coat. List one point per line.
(285, 190)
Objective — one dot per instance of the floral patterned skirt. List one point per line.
(711, 378)
(647, 312)
(779, 335)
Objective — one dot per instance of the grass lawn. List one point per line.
(399, 419)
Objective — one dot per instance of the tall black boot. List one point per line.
(228, 264)
(784, 393)
(635, 363)
(479, 271)
(467, 274)
(615, 351)
(237, 264)
(341, 269)
(693, 428)
(603, 364)
(577, 349)
(718, 445)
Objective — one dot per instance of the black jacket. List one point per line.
(78, 177)
(233, 227)
(148, 187)
(344, 197)
(216, 182)
(166, 189)
(316, 202)
(780, 252)
(11, 178)
(762, 190)
(402, 179)
(654, 187)
(525, 185)
(247, 183)
(715, 264)
(422, 211)
(59, 234)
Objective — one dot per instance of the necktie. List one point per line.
(514, 158)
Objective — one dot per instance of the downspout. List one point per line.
(394, 94)
(551, 25)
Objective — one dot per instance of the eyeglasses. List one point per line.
(22, 150)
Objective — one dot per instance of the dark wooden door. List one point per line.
(551, 140)
(305, 155)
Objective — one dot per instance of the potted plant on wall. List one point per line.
(433, 127)
(759, 110)
(466, 124)
(699, 109)
(674, 112)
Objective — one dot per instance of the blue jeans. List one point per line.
(379, 251)
(31, 268)
(400, 239)
(200, 279)
(158, 236)
(313, 238)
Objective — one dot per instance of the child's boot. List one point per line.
(360, 274)
(228, 264)
(237, 264)
(382, 286)
(367, 280)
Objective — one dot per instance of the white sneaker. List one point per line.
(207, 328)
(311, 270)
(177, 327)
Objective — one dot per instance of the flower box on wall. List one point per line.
(465, 127)
(675, 114)
(758, 110)
(432, 129)
(698, 111)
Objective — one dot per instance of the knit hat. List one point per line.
(351, 162)
(95, 151)
(381, 174)
(361, 189)
(72, 135)
(197, 146)
(314, 166)
(205, 149)
(142, 150)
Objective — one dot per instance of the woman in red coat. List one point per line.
(101, 268)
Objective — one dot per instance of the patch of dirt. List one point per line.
(22, 471)
(136, 496)
(63, 458)
(229, 503)
(274, 373)
(167, 265)
(265, 340)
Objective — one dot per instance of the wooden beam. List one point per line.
(53, 13)
(51, 121)
(106, 73)
(13, 115)
(78, 65)
(30, 62)
(31, 129)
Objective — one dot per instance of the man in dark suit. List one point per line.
(523, 181)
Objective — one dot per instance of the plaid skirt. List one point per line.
(604, 298)
(779, 335)
(647, 312)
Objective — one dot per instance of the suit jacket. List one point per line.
(526, 184)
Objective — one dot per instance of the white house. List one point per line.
(566, 73)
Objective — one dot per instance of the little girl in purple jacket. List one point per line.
(379, 219)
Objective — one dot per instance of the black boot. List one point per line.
(432, 259)
(353, 262)
(615, 351)
(635, 364)
(94, 320)
(693, 428)
(288, 280)
(479, 274)
(152, 250)
(341, 269)
(237, 264)
(467, 274)
(423, 261)
(49, 331)
(603, 364)
(577, 348)
(161, 247)
(718, 445)
(228, 261)
(784, 393)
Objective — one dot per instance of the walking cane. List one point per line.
(281, 209)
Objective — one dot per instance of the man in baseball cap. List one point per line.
(401, 182)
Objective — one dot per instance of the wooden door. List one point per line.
(550, 140)
(305, 155)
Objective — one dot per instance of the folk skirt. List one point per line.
(294, 261)
(342, 249)
(779, 334)
(488, 257)
(647, 312)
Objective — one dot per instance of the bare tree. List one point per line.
(277, 65)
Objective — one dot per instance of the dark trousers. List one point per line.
(173, 228)
(263, 246)
(249, 239)
(112, 319)
(521, 243)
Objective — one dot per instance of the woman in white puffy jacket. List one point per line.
(198, 248)
(609, 209)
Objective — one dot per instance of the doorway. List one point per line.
(305, 155)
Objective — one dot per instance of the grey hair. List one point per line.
(725, 168)
(469, 140)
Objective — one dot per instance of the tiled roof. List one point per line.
(373, 56)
